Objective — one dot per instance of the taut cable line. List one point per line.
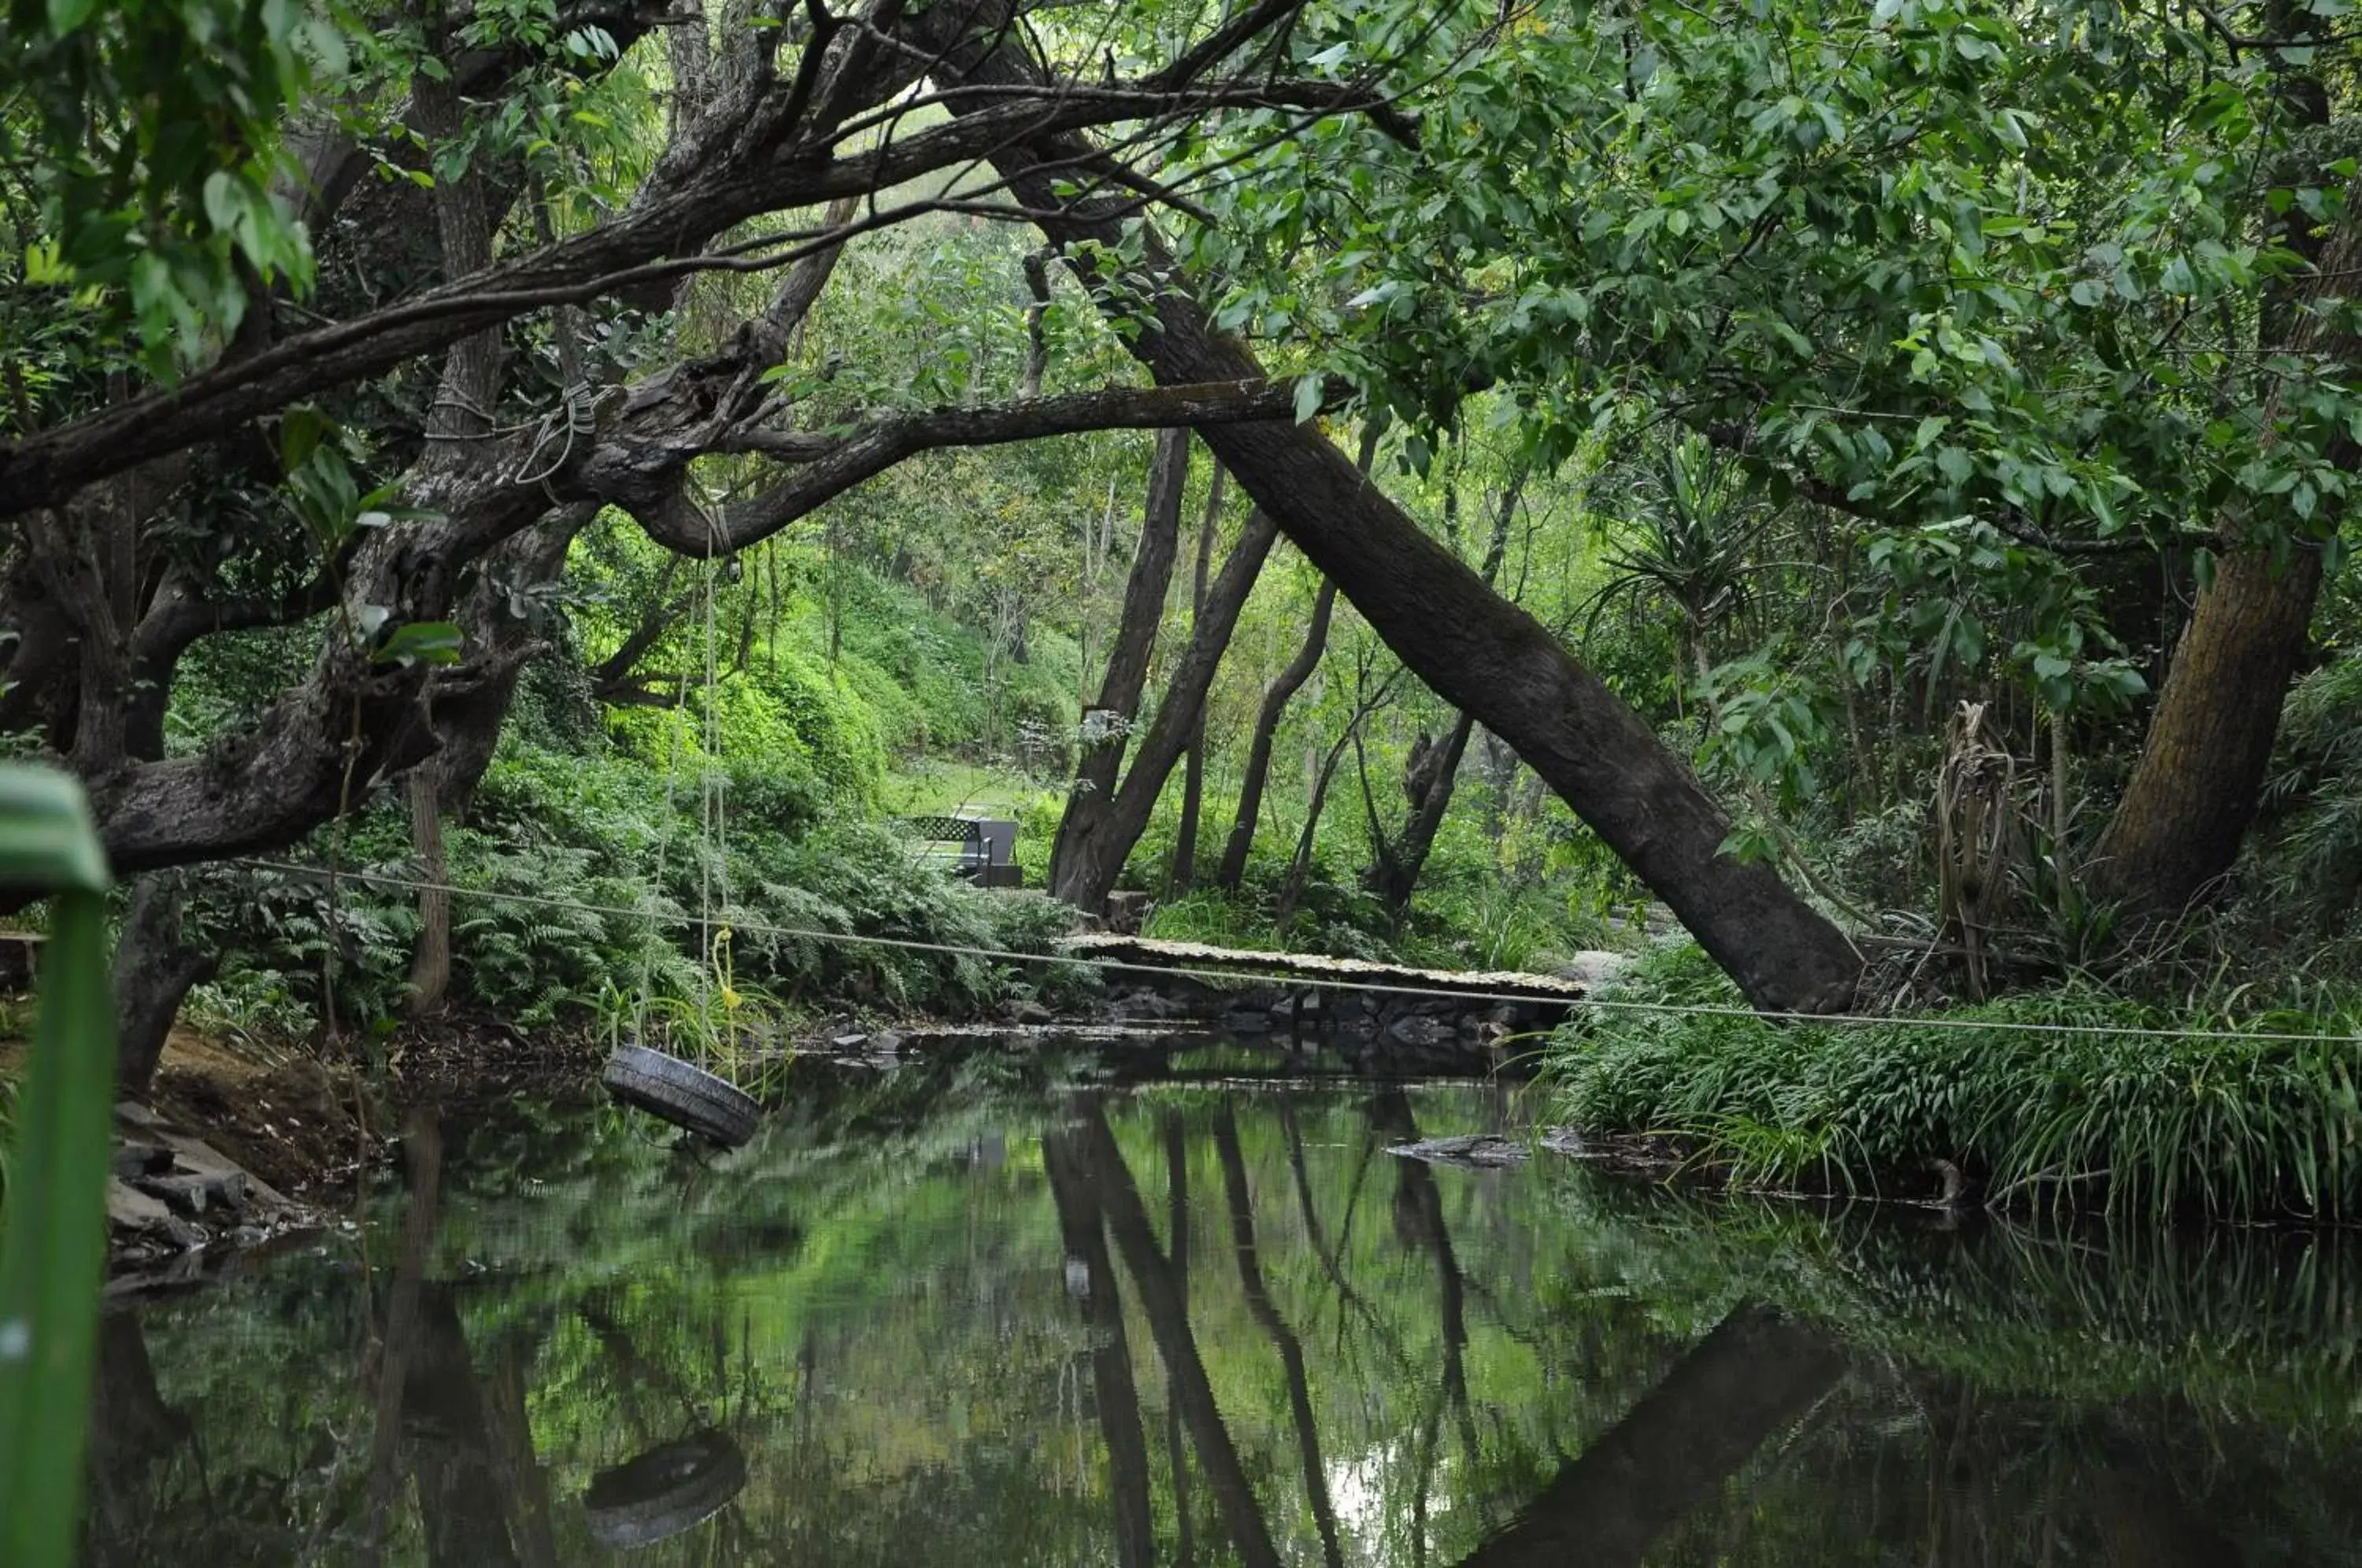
(1126, 965)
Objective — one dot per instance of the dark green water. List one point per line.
(964, 1322)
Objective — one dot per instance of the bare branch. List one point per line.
(658, 237)
(620, 475)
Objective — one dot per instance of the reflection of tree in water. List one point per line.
(1282, 1338)
(1670, 1454)
(926, 1354)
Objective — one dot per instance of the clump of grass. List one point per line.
(2235, 1122)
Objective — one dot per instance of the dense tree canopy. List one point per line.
(1844, 409)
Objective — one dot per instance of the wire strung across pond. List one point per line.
(1009, 955)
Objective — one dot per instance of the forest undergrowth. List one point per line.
(2227, 1100)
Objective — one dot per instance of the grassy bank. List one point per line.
(2252, 1116)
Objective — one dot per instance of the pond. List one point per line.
(953, 1319)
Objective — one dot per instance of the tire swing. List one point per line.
(638, 1075)
(675, 1485)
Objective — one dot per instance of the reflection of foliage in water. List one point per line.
(2068, 1397)
(874, 1300)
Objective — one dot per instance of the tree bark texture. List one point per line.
(1094, 871)
(2193, 794)
(155, 966)
(2178, 828)
(457, 422)
(1183, 874)
(1299, 669)
(1429, 780)
(1299, 866)
(430, 958)
(1107, 722)
(1433, 774)
(1474, 648)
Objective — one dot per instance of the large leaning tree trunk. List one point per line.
(1474, 649)
(1107, 722)
(2193, 794)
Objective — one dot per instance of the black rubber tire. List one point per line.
(665, 1491)
(683, 1094)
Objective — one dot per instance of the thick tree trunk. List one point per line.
(430, 960)
(469, 709)
(1184, 875)
(2193, 794)
(1106, 723)
(1675, 1450)
(1266, 731)
(460, 418)
(1429, 782)
(1474, 649)
(1091, 874)
(1299, 669)
(154, 968)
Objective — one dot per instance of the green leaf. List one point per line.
(53, 1257)
(66, 16)
(422, 641)
(1310, 390)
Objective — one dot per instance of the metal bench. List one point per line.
(985, 849)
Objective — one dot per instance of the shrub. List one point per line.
(2046, 1099)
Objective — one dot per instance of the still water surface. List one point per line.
(971, 1322)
